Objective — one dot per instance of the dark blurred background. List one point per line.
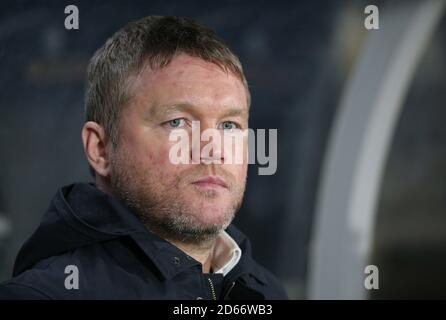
(298, 57)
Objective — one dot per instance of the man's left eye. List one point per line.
(228, 125)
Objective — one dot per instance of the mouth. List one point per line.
(210, 182)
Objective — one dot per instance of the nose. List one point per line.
(207, 144)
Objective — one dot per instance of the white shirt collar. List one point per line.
(226, 254)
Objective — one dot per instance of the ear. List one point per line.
(95, 147)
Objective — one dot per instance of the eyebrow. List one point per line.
(180, 107)
(236, 112)
(186, 107)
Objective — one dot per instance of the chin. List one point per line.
(211, 215)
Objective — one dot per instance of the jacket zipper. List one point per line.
(214, 297)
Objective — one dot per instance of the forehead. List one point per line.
(190, 80)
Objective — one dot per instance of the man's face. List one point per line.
(170, 198)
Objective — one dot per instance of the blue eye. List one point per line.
(228, 125)
(175, 123)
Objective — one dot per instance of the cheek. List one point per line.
(156, 160)
(239, 171)
(148, 153)
(242, 171)
(154, 152)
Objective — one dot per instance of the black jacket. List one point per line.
(118, 258)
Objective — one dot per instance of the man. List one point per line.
(150, 228)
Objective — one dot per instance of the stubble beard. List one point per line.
(168, 215)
